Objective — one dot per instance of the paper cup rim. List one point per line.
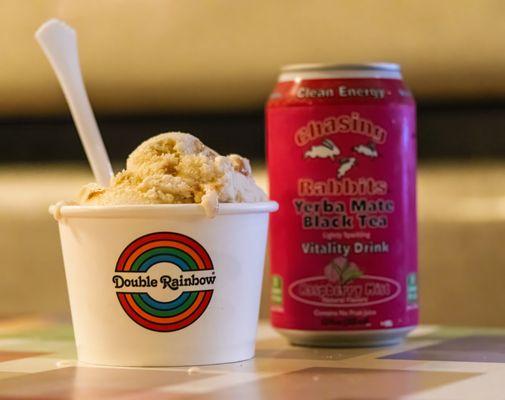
(157, 210)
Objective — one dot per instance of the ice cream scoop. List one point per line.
(177, 168)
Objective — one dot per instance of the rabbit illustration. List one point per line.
(345, 165)
(327, 149)
(368, 150)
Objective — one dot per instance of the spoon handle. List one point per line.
(59, 42)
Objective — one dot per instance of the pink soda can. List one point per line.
(341, 145)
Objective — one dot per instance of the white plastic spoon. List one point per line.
(59, 42)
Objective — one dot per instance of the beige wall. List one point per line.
(168, 55)
(461, 251)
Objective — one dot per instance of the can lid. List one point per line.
(381, 70)
(373, 66)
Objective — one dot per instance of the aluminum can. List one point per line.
(341, 149)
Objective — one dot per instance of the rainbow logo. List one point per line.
(194, 265)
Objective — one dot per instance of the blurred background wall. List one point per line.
(159, 56)
(207, 68)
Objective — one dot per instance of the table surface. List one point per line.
(37, 361)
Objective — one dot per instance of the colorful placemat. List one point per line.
(487, 349)
(37, 361)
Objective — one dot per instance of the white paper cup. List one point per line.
(208, 274)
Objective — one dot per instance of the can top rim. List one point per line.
(372, 66)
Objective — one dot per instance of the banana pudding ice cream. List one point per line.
(177, 168)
